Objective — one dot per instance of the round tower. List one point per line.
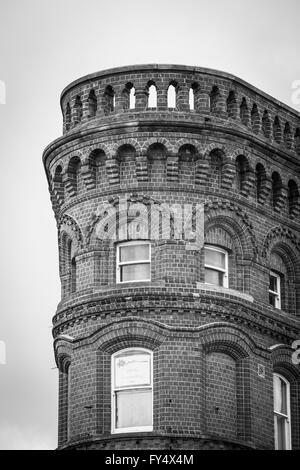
(176, 195)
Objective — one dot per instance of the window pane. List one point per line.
(273, 283)
(215, 258)
(272, 299)
(280, 395)
(280, 426)
(132, 369)
(135, 272)
(133, 408)
(134, 252)
(214, 277)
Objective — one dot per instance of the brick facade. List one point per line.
(214, 349)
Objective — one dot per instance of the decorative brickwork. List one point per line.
(124, 164)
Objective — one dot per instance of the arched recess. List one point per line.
(157, 156)
(115, 337)
(277, 198)
(194, 96)
(97, 160)
(288, 136)
(260, 183)
(108, 100)
(78, 110)
(186, 165)
(73, 176)
(255, 119)
(216, 158)
(215, 100)
(58, 185)
(293, 199)
(244, 113)
(68, 118)
(232, 108)
(242, 177)
(266, 125)
(282, 360)
(277, 133)
(228, 408)
(92, 104)
(126, 155)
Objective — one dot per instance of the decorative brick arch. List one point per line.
(68, 225)
(283, 235)
(237, 221)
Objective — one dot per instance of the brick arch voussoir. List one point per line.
(126, 334)
(229, 339)
(158, 140)
(284, 237)
(68, 225)
(281, 358)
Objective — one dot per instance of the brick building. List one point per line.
(169, 338)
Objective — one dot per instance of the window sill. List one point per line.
(224, 290)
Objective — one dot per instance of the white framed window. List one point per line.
(133, 262)
(216, 266)
(132, 390)
(282, 413)
(274, 290)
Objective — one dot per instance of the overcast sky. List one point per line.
(44, 45)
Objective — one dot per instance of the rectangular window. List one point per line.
(134, 262)
(216, 266)
(282, 424)
(274, 290)
(132, 391)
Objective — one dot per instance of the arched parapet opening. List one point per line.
(244, 113)
(262, 184)
(151, 89)
(216, 100)
(278, 193)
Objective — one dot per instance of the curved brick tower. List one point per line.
(176, 195)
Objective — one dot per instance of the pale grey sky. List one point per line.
(44, 45)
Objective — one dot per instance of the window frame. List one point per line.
(119, 264)
(115, 430)
(224, 271)
(287, 417)
(276, 294)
